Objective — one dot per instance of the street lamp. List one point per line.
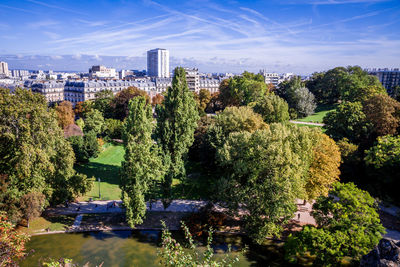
(99, 189)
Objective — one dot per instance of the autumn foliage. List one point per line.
(12, 243)
(65, 114)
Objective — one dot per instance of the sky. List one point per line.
(299, 36)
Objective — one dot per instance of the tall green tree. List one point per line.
(264, 172)
(94, 122)
(142, 165)
(34, 154)
(347, 121)
(176, 122)
(103, 103)
(348, 226)
(272, 108)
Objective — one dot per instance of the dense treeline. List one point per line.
(36, 162)
(254, 159)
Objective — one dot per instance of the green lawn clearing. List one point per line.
(106, 167)
(319, 114)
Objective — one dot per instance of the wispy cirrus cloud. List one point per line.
(229, 36)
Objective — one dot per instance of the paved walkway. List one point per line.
(308, 123)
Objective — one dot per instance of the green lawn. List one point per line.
(319, 114)
(106, 167)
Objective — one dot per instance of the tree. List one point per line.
(272, 108)
(113, 128)
(33, 151)
(82, 108)
(357, 85)
(215, 104)
(286, 89)
(233, 119)
(303, 101)
(85, 147)
(176, 122)
(12, 243)
(384, 114)
(324, 168)
(386, 153)
(242, 90)
(265, 171)
(383, 167)
(65, 114)
(348, 226)
(347, 121)
(325, 85)
(157, 100)
(32, 205)
(81, 123)
(202, 100)
(142, 165)
(120, 102)
(103, 103)
(174, 254)
(94, 121)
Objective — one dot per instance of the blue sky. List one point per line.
(300, 36)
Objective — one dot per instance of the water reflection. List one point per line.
(136, 248)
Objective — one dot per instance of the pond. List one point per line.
(137, 248)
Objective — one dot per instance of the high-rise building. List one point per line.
(4, 69)
(390, 78)
(158, 63)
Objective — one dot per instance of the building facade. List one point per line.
(78, 91)
(51, 90)
(193, 79)
(19, 74)
(158, 63)
(4, 69)
(390, 78)
(209, 84)
(102, 72)
(162, 84)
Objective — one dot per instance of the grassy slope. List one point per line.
(106, 167)
(319, 114)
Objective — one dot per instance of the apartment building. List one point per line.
(51, 90)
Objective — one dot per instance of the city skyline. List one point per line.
(214, 36)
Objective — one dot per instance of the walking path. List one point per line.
(302, 216)
(308, 123)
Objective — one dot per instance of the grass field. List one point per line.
(319, 114)
(106, 167)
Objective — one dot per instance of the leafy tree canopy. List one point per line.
(34, 155)
(272, 108)
(120, 102)
(65, 114)
(384, 114)
(94, 122)
(242, 90)
(265, 171)
(233, 119)
(348, 226)
(347, 121)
